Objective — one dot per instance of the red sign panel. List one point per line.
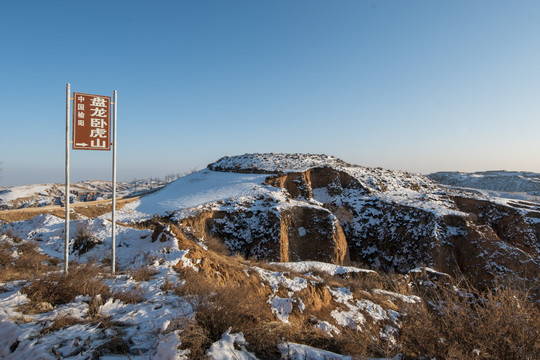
(91, 122)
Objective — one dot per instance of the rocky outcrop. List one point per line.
(291, 234)
(302, 184)
(391, 220)
(312, 233)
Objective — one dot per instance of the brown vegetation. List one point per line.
(57, 288)
(62, 322)
(241, 303)
(216, 245)
(502, 323)
(144, 273)
(85, 239)
(23, 261)
(225, 292)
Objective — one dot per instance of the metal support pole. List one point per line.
(66, 245)
(115, 106)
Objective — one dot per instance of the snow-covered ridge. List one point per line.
(506, 181)
(274, 163)
(243, 177)
(376, 179)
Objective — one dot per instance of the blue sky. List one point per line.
(420, 86)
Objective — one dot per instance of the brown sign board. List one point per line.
(91, 122)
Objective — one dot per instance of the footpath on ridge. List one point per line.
(89, 209)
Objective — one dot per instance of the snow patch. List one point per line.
(295, 351)
(282, 307)
(226, 348)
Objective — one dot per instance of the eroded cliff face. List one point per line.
(312, 233)
(394, 221)
(479, 238)
(290, 234)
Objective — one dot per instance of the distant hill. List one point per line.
(38, 195)
(503, 181)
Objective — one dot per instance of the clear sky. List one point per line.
(420, 86)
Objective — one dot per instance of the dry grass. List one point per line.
(144, 274)
(16, 239)
(241, 306)
(167, 285)
(494, 324)
(62, 322)
(91, 209)
(216, 245)
(115, 346)
(29, 263)
(57, 288)
(132, 296)
(244, 307)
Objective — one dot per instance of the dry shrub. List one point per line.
(216, 245)
(58, 288)
(167, 285)
(85, 239)
(107, 262)
(15, 238)
(116, 345)
(93, 307)
(244, 307)
(27, 265)
(5, 256)
(133, 295)
(494, 324)
(195, 338)
(144, 274)
(61, 322)
(241, 306)
(30, 258)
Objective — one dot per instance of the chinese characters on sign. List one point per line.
(91, 122)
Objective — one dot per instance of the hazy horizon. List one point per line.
(106, 175)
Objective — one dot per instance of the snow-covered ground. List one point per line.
(145, 322)
(148, 327)
(200, 188)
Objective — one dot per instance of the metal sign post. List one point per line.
(66, 245)
(91, 131)
(113, 255)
